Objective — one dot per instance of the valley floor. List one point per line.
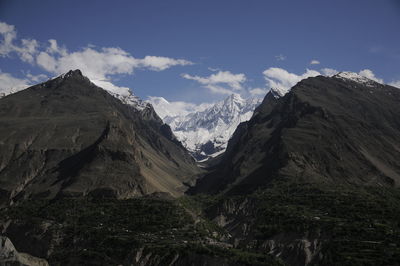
(285, 224)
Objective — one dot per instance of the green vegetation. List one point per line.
(353, 226)
(108, 231)
(357, 226)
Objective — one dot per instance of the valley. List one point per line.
(311, 178)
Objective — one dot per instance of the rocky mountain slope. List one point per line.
(68, 137)
(310, 179)
(10, 256)
(206, 133)
(344, 129)
(313, 177)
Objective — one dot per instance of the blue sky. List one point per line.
(199, 51)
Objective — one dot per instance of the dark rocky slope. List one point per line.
(313, 177)
(325, 130)
(146, 231)
(10, 256)
(309, 180)
(68, 137)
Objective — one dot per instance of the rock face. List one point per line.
(343, 129)
(239, 218)
(310, 179)
(68, 137)
(10, 256)
(143, 257)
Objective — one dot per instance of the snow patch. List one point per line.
(215, 124)
(356, 78)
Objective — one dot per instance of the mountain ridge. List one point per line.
(205, 133)
(324, 130)
(68, 137)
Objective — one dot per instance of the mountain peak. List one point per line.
(295, 134)
(279, 92)
(72, 73)
(96, 138)
(234, 98)
(205, 133)
(347, 75)
(123, 94)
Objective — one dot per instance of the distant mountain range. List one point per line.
(205, 133)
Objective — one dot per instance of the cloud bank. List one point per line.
(395, 84)
(10, 84)
(281, 80)
(26, 49)
(98, 64)
(221, 82)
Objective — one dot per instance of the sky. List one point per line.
(198, 51)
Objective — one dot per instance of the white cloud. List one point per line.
(47, 62)
(365, 73)
(36, 78)
(314, 62)
(222, 82)
(395, 84)
(329, 72)
(26, 50)
(55, 49)
(9, 34)
(369, 74)
(10, 84)
(165, 108)
(258, 92)
(98, 64)
(159, 63)
(107, 85)
(280, 57)
(214, 69)
(93, 63)
(281, 80)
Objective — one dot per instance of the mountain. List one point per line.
(10, 256)
(205, 133)
(310, 179)
(14, 89)
(313, 177)
(68, 137)
(342, 129)
(131, 100)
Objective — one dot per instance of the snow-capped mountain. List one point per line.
(206, 133)
(356, 78)
(5, 92)
(123, 94)
(131, 99)
(203, 129)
